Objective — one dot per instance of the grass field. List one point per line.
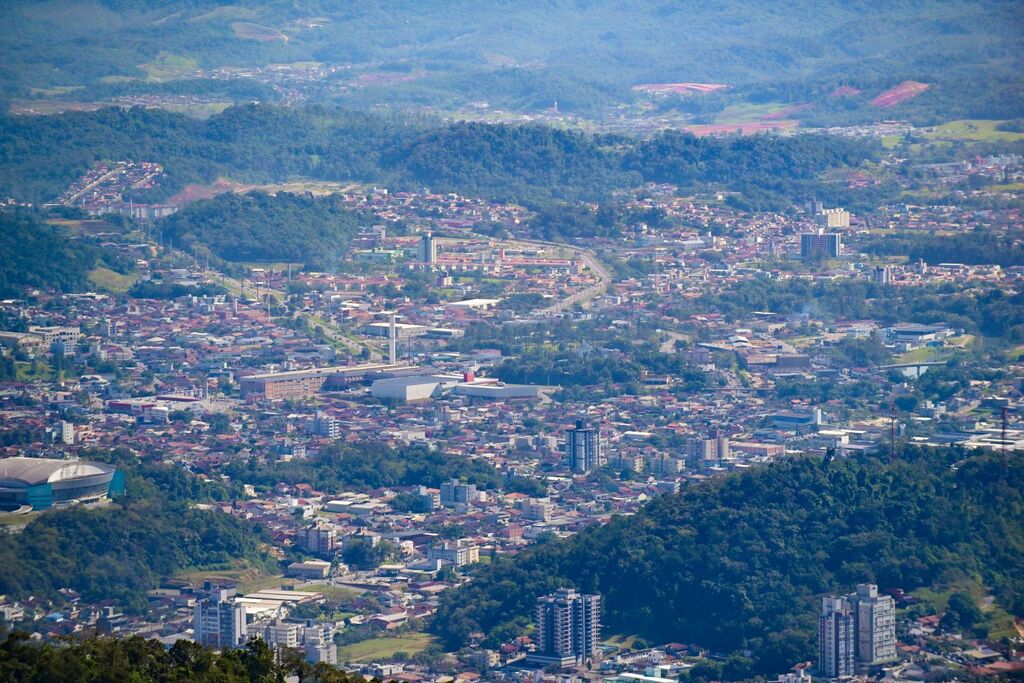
(263, 34)
(111, 281)
(972, 129)
(378, 649)
(747, 112)
(1009, 187)
(249, 578)
(169, 67)
(332, 593)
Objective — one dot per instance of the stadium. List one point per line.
(39, 483)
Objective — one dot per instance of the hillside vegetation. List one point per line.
(261, 227)
(40, 156)
(35, 254)
(584, 54)
(121, 551)
(737, 563)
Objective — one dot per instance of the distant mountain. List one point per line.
(582, 54)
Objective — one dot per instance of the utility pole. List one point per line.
(892, 432)
(1006, 422)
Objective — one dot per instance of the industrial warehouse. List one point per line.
(28, 484)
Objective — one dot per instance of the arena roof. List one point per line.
(33, 471)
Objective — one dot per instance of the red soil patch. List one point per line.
(679, 88)
(900, 93)
(193, 193)
(844, 91)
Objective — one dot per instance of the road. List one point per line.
(583, 296)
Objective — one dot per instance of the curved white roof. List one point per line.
(32, 471)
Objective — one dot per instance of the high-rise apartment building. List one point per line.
(320, 539)
(218, 621)
(457, 495)
(428, 248)
(568, 628)
(583, 448)
(820, 244)
(835, 637)
(833, 218)
(875, 626)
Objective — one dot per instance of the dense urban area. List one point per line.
(449, 392)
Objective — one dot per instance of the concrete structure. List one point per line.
(537, 509)
(458, 553)
(456, 494)
(320, 539)
(875, 626)
(69, 336)
(310, 569)
(713, 449)
(325, 425)
(833, 218)
(41, 483)
(820, 245)
(568, 629)
(583, 448)
(275, 386)
(406, 388)
(428, 248)
(218, 621)
(835, 637)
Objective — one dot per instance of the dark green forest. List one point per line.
(977, 247)
(101, 660)
(34, 254)
(738, 562)
(339, 467)
(41, 156)
(262, 227)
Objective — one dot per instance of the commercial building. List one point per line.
(218, 621)
(836, 647)
(584, 448)
(298, 384)
(69, 336)
(42, 483)
(568, 629)
(820, 245)
(875, 626)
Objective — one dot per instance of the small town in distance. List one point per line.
(356, 369)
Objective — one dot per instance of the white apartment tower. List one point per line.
(218, 621)
(875, 626)
(583, 448)
(835, 637)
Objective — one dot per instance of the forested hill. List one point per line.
(737, 563)
(40, 156)
(260, 227)
(34, 254)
